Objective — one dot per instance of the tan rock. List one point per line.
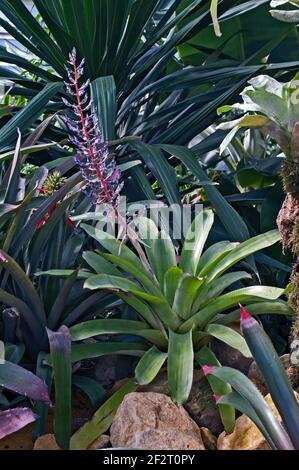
(246, 435)
(46, 442)
(201, 405)
(101, 443)
(152, 421)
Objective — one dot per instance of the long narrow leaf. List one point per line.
(195, 240)
(28, 115)
(180, 365)
(60, 346)
(149, 365)
(274, 373)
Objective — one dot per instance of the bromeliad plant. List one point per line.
(180, 305)
(249, 400)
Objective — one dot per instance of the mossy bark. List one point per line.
(288, 224)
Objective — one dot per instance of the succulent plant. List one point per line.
(181, 305)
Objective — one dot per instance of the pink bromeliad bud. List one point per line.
(217, 398)
(207, 369)
(245, 317)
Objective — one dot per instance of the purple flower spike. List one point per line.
(97, 165)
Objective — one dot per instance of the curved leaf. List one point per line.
(230, 337)
(149, 365)
(278, 307)
(223, 302)
(20, 380)
(243, 250)
(14, 419)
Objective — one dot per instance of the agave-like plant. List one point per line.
(249, 400)
(180, 304)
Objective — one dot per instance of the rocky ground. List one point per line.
(148, 418)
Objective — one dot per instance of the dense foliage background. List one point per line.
(158, 76)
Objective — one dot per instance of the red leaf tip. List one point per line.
(217, 398)
(207, 369)
(244, 314)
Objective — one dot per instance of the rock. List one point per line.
(101, 443)
(201, 404)
(208, 439)
(46, 442)
(246, 435)
(151, 421)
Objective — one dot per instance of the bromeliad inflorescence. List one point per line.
(97, 165)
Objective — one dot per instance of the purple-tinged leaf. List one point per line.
(20, 380)
(15, 419)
